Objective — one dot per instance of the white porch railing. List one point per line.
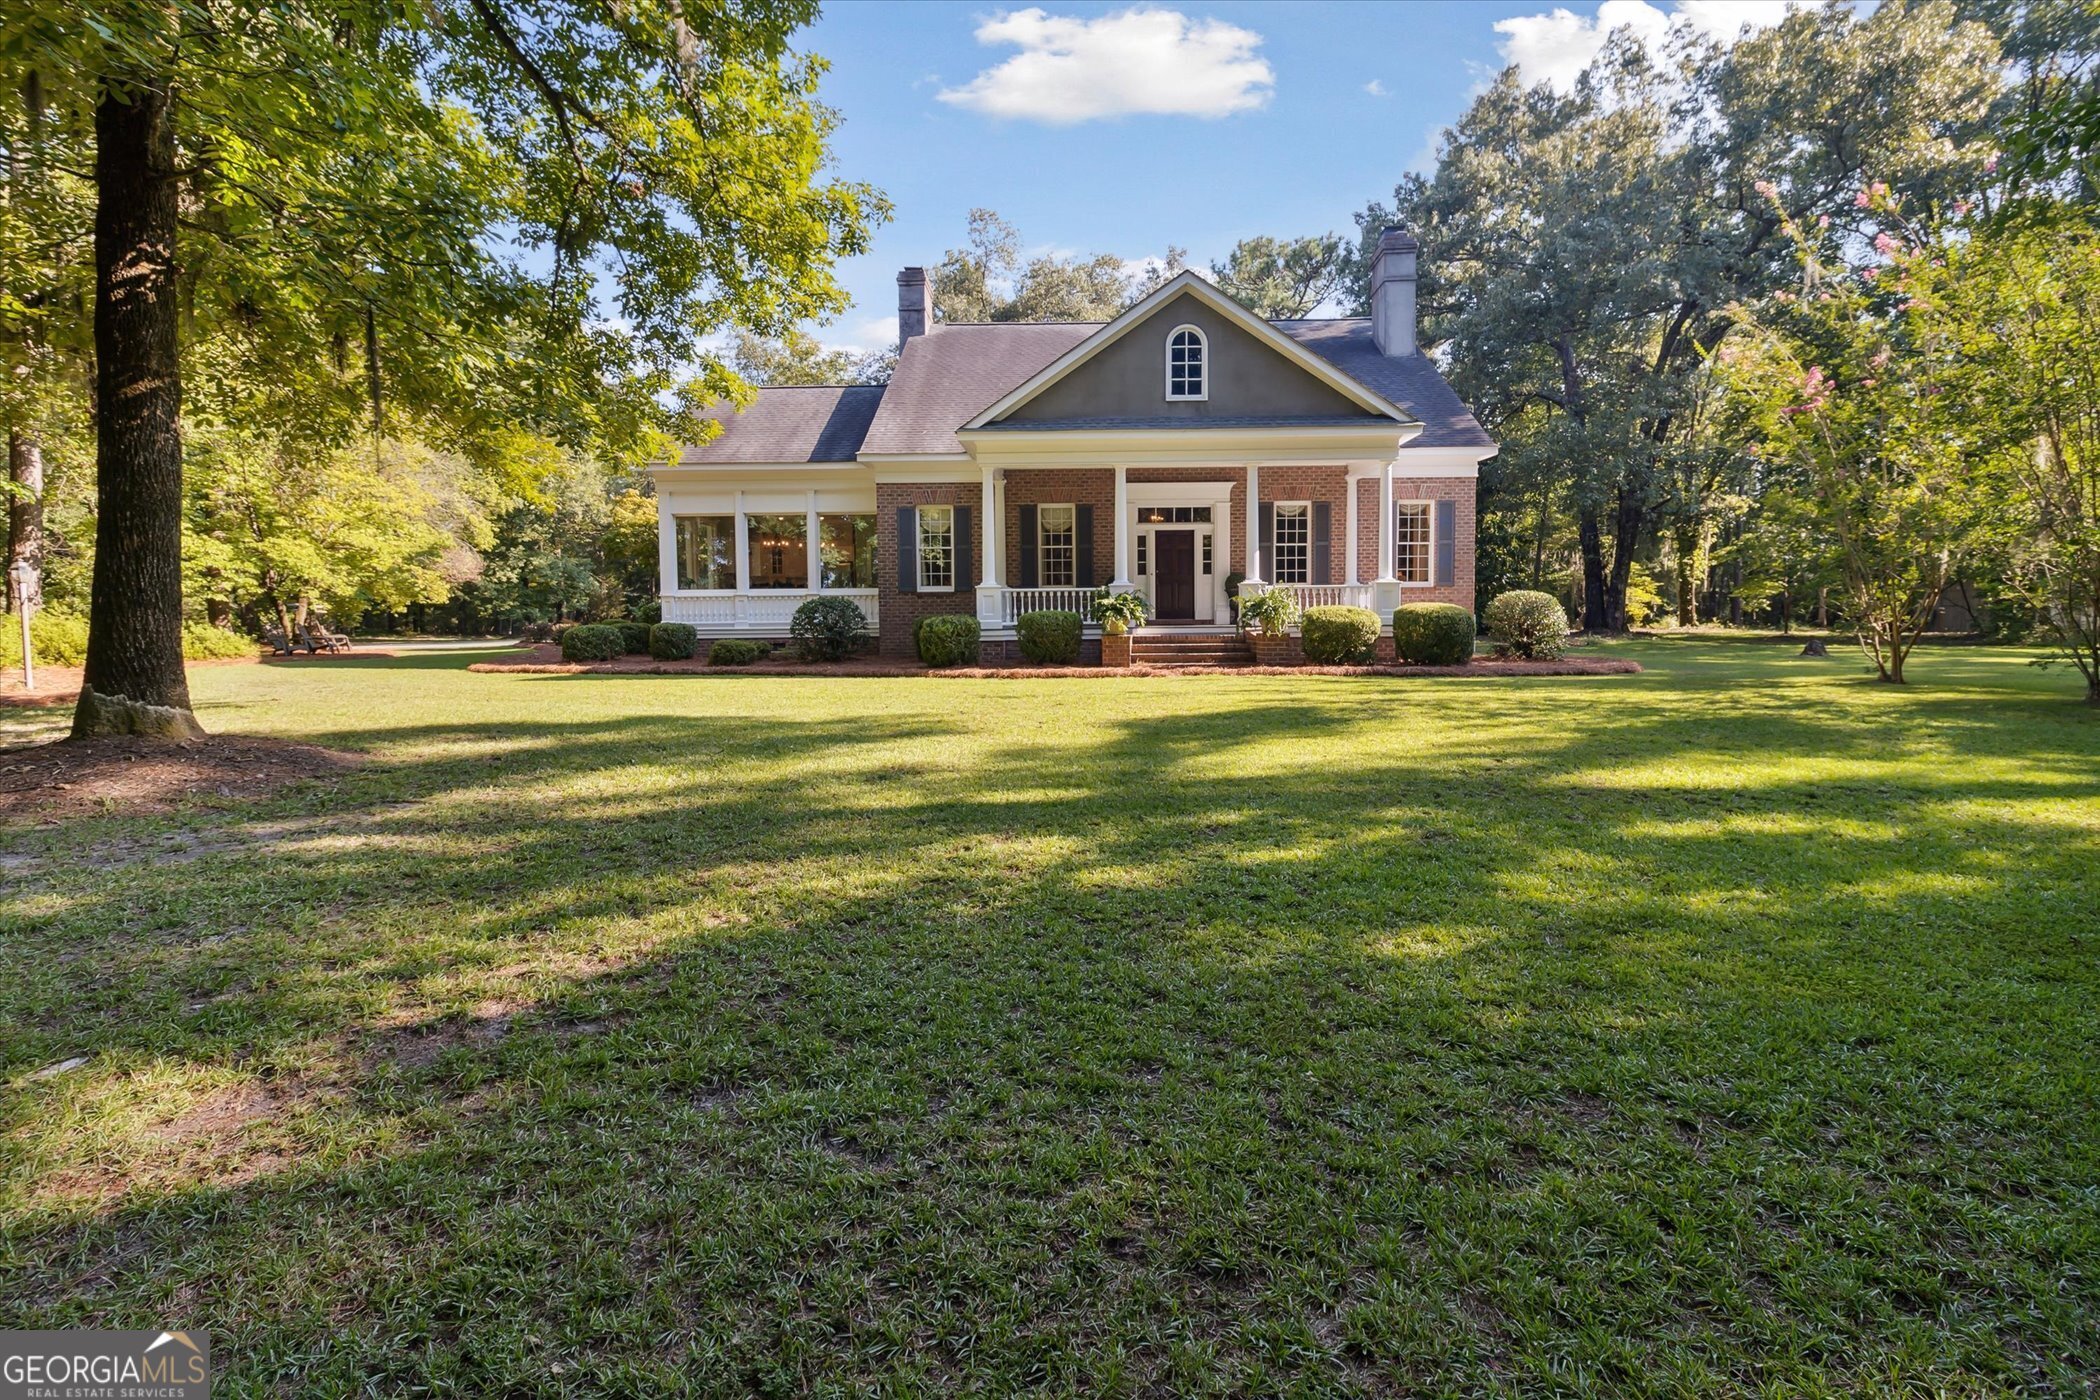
(1023, 600)
(1332, 595)
(760, 610)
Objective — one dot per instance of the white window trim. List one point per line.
(1276, 544)
(1203, 345)
(1428, 541)
(1042, 548)
(919, 524)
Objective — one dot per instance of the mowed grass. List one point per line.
(1729, 1028)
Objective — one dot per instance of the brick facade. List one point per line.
(1077, 486)
(901, 611)
(1457, 489)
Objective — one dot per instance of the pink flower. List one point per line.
(1766, 188)
(1880, 359)
(1868, 274)
(1862, 201)
(1990, 166)
(1962, 208)
(1822, 221)
(1884, 245)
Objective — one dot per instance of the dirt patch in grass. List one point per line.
(545, 660)
(133, 777)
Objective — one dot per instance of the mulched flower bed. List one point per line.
(131, 777)
(546, 660)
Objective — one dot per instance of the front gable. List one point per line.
(1255, 375)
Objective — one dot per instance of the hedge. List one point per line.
(1335, 636)
(948, 639)
(738, 651)
(1051, 635)
(593, 641)
(1433, 634)
(673, 641)
(827, 629)
(1528, 625)
(634, 636)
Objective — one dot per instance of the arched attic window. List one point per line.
(1188, 364)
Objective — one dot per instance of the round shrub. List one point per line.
(672, 641)
(827, 629)
(1433, 634)
(1528, 625)
(634, 636)
(1336, 636)
(595, 641)
(737, 651)
(1049, 635)
(948, 639)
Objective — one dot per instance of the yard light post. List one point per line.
(23, 574)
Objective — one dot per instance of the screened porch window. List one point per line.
(846, 546)
(706, 550)
(779, 547)
(1293, 542)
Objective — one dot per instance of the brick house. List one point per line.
(1182, 442)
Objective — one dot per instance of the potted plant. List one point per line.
(1270, 612)
(1117, 613)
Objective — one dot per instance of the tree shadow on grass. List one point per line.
(1337, 1043)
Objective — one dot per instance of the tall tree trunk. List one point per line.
(1596, 616)
(135, 682)
(1626, 541)
(1686, 540)
(25, 513)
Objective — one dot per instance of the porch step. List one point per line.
(1190, 649)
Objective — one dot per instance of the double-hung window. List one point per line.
(1293, 542)
(1411, 541)
(1057, 546)
(936, 549)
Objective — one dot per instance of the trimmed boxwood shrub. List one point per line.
(673, 641)
(827, 629)
(737, 651)
(1529, 625)
(634, 636)
(1051, 634)
(1433, 634)
(948, 639)
(595, 641)
(1335, 636)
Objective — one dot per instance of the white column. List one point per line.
(812, 551)
(1220, 557)
(1253, 524)
(994, 530)
(1355, 489)
(1121, 582)
(744, 550)
(666, 548)
(1385, 591)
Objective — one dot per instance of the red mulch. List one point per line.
(545, 660)
(134, 777)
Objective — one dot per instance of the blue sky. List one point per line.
(1121, 129)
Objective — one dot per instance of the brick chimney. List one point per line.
(1393, 292)
(914, 304)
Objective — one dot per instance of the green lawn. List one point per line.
(1727, 1028)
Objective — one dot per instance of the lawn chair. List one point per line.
(319, 638)
(278, 643)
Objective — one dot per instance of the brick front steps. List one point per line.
(1172, 649)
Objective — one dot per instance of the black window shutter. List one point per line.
(1322, 550)
(907, 549)
(1446, 541)
(1083, 560)
(1029, 542)
(964, 578)
(1265, 515)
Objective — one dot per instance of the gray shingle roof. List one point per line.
(946, 378)
(1245, 420)
(792, 423)
(1411, 381)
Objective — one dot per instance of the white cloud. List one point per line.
(1133, 62)
(1377, 88)
(1555, 47)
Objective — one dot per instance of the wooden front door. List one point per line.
(1174, 575)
